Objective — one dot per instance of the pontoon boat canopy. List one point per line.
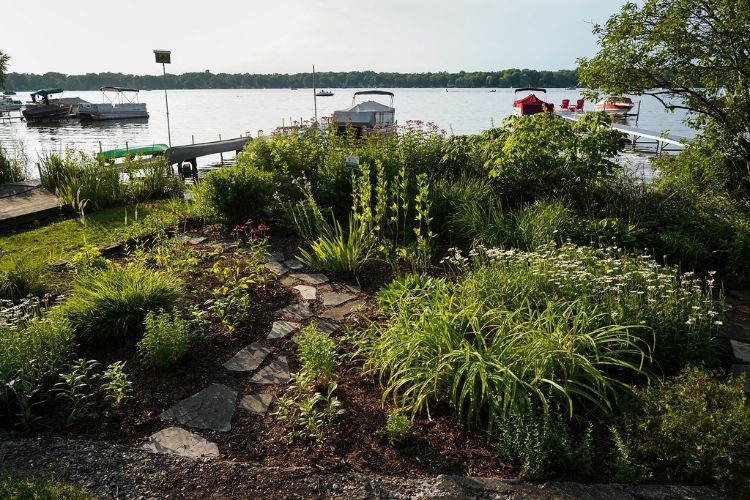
(531, 89)
(118, 89)
(46, 92)
(368, 113)
(373, 92)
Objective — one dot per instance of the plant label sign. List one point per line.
(351, 161)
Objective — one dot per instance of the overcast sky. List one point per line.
(289, 36)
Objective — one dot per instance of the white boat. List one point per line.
(324, 93)
(8, 104)
(368, 114)
(121, 106)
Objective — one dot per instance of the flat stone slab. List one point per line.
(212, 408)
(288, 281)
(310, 279)
(736, 331)
(276, 268)
(197, 240)
(281, 329)
(739, 369)
(307, 292)
(278, 256)
(256, 403)
(340, 312)
(177, 441)
(741, 351)
(248, 359)
(294, 264)
(332, 299)
(298, 312)
(327, 326)
(275, 372)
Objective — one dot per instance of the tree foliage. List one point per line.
(688, 54)
(4, 58)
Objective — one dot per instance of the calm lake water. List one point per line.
(204, 115)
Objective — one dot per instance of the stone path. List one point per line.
(213, 407)
(738, 333)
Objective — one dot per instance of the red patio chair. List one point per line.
(579, 105)
(565, 103)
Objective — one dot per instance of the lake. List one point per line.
(205, 115)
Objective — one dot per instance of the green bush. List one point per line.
(541, 441)
(397, 427)
(234, 194)
(112, 303)
(166, 338)
(693, 429)
(32, 353)
(317, 355)
(20, 486)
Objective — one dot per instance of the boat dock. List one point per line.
(640, 139)
(25, 202)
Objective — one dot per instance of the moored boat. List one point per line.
(367, 114)
(119, 107)
(531, 104)
(42, 107)
(324, 93)
(8, 104)
(615, 105)
(151, 150)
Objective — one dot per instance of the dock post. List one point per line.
(221, 155)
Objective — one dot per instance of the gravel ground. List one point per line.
(114, 471)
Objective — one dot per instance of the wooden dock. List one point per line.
(24, 202)
(663, 143)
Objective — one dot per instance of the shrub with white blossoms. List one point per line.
(678, 309)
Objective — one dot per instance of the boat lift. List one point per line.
(663, 143)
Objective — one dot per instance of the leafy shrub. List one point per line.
(693, 428)
(112, 303)
(19, 486)
(308, 414)
(455, 342)
(449, 196)
(234, 194)
(542, 442)
(77, 389)
(150, 178)
(31, 355)
(317, 354)
(166, 338)
(397, 427)
(12, 164)
(117, 388)
(87, 259)
(541, 155)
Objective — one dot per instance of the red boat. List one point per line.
(531, 104)
(615, 105)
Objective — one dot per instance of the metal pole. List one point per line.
(166, 100)
(315, 96)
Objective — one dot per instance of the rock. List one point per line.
(331, 299)
(741, 351)
(736, 331)
(275, 372)
(276, 268)
(278, 256)
(288, 281)
(212, 408)
(340, 312)
(327, 326)
(293, 264)
(310, 279)
(248, 359)
(177, 441)
(740, 369)
(281, 329)
(306, 291)
(256, 403)
(197, 240)
(297, 312)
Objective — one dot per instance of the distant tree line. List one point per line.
(351, 79)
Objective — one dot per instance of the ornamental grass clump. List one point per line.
(447, 342)
(112, 303)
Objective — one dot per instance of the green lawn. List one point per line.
(62, 239)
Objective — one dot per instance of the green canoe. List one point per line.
(150, 150)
